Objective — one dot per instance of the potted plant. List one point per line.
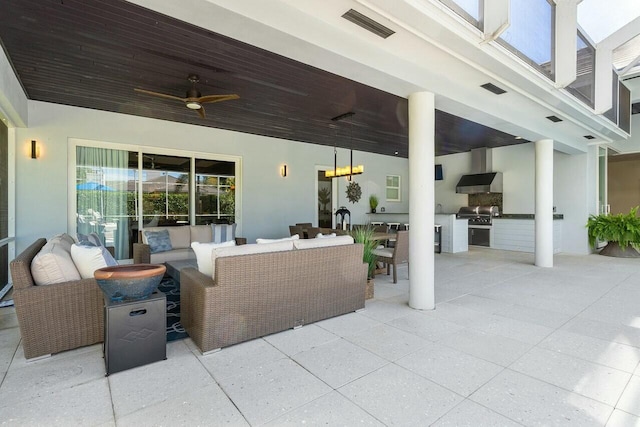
(364, 235)
(373, 202)
(622, 232)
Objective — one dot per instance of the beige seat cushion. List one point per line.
(284, 239)
(250, 249)
(201, 233)
(323, 242)
(53, 264)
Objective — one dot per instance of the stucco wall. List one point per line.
(270, 202)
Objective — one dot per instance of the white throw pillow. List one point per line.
(284, 239)
(324, 242)
(203, 254)
(255, 248)
(322, 236)
(53, 264)
(88, 259)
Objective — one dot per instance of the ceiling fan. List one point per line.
(194, 99)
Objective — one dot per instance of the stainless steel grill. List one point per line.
(478, 215)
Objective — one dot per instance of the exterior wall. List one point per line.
(623, 177)
(270, 203)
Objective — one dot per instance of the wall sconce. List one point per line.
(35, 152)
(283, 171)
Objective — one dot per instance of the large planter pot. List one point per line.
(369, 290)
(129, 282)
(614, 250)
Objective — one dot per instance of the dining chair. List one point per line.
(296, 229)
(399, 254)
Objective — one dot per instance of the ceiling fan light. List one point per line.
(194, 105)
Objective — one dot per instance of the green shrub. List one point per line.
(622, 228)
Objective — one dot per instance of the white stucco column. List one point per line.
(544, 203)
(421, 200)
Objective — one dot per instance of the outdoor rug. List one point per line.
(175, 331)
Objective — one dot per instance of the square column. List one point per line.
(421, 200)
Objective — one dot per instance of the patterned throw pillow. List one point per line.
(158, 241)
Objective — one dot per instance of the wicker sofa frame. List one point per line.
(58, 317)
(256, 295)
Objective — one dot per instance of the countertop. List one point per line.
(525, 216)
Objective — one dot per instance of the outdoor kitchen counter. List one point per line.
(525, 216)
(516, 232)
(455, 237)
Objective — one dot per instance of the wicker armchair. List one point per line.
(58, 317)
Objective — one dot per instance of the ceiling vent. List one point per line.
(590, 137)
(554, 119)
(368, 23)
(493, 88)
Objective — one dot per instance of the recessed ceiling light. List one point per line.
(396, 153)
(554, 119)
(590, 137)
(493, 88)
(518, 137)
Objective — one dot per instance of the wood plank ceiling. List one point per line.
(93, 53)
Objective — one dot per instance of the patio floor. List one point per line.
(508, 344)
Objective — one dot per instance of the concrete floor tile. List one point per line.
(81, 405)
(203, 406)
(150, 384)
(630, 400)
(8, 320)
(42, 377)
(450, 368)
(428, 327)
(623, 419)
(395, 396)
(530, 333)
(533, 402)
(385, 311)
(294, 341)
(470, 414)
(263, 395)
(456, 314)
(493, 348)
(9, 342)
(347, 324)
(589, 379)
(236, 359)
(538, 316)
(481, 304)
(387, 342)
(332, 409)
(615, 355)
(339, 362)
(622, 334)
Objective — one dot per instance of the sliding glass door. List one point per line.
(119, 191)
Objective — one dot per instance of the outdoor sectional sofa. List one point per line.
(56, 317)
(181, 239)
(250, 296)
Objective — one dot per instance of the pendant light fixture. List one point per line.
(350, 170)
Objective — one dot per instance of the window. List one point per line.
(4, 206)
(531, 33)
(470, 10)
(393, 188)
(583, 86)
(215, 191)
(120, 190)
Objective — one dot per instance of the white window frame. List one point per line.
(73, 143)
(390, 187)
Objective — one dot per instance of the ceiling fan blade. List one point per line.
(161, 95)
(216, 98)
(201, 112)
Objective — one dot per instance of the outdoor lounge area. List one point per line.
(506, 345)
(304, 212)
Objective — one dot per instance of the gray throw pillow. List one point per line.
(158, 241)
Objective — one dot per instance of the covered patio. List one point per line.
(508, 344)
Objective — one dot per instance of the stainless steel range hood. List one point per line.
(482, 179)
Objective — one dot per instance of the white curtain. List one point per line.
(101, 194)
